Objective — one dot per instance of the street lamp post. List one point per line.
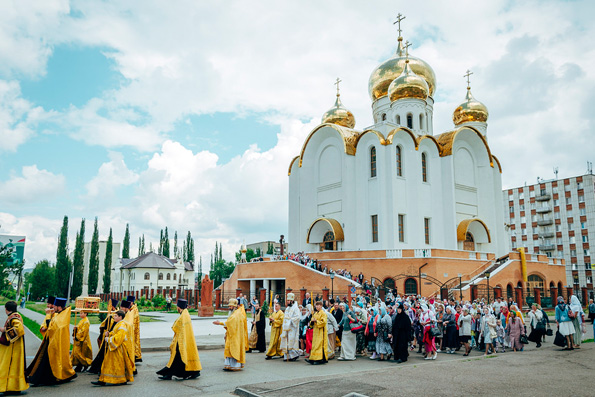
(332, 285)
(488, 278)
(460, 287)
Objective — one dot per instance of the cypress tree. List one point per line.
(165, 251)
(78, 261)
(94, 261)
(143, 252)
(139, 247)
(126, 245)
(62, 269)
(107, 264)
(160, 252)
(176, 244)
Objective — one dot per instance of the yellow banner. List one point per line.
(523, 263)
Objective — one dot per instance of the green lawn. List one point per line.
(33, 326)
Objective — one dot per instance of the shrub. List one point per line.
(158, 300)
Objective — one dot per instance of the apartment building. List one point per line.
(556, 218)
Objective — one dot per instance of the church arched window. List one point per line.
(373, 162)
(175, 276)
(383, 117)
(168, 276)
(421, 121)
(399, 161)
(410, 121)
(424, 167)
(410, 286)
(160, 276)
(147, 276)
(398, 120)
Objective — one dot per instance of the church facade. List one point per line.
(395, 184)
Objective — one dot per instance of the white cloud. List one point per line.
(111, 175)
(33, 185)
(18, 117)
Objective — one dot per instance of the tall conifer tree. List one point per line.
(107, 264)
(176, 244)
(126, 245)
(94, 261)
(62, 268)
(78, 261)
(165, 251)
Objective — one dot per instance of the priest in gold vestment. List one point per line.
(276, 322)
(118, 363)
(236, 337)
(138, 357)
(183, 361)
(51, 364)
(49, 313)
(318, 355)
(106, 325)
(12, 352)
(82, 351)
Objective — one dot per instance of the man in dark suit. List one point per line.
(307, 300)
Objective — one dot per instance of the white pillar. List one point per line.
(252, 289)
(265, 285)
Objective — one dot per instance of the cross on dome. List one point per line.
(398, 21)
(337, 84)
(407, 45)
(469, 73)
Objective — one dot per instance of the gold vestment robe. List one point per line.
(319, 337)
(136, 321)
(118, 363)
(82, 351)
(12, 357)
(236, 338)
(46, 323)
(276, 328)
(185, 343)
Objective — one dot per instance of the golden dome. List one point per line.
(408, 85)
(339, 115)
(390, 69)
(470, 110)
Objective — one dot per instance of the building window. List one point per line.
(175, 276)
(398, 120)
(524, 231)
(410, 121)
(579, 186)
(583, 225)
(521, 207)
(568, 200)
(585, 239)
(522, 196)
(383, 116)
(427, 230)
(572, 240)
(514, 245)
(421, 121)
(523, 219)
(583, 211)
(399, 161)
(147, 276)
(581, 199)
(329, 241)
(373, 162)
(510, 197)
(572, 252)
(401, 228)
(532, 193)
(511, 210)
(556, 202)
(374, 228)
(410, 286)
(160, 276)
(168, 276)
(586, 252)
(424, 168)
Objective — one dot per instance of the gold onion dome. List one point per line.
(408, 85)
(390, 69)
(470, 110)
(339, 115)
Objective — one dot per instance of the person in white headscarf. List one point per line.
(290, 338)
(577, 320)
(349, 340)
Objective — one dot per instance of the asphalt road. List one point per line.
(533, 372)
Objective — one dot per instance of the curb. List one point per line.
(245, 393)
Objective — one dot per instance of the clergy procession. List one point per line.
(383, 330)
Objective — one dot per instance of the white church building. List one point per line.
(396, 184)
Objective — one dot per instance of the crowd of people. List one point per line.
(305, 260)
(393, 328)
(388, 330)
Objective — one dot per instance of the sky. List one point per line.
(187, 114)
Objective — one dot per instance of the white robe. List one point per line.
(290, 338)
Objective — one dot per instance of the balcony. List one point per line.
(543, 197)
(545, 222)
(549, 247)
(547, 234)
(543, 210)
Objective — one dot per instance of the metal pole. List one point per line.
(461, 288)
(70, 282)
(332, 287)
(488, 289)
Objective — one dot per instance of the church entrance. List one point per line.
(326, 233)
(469, 243)
(329, 243)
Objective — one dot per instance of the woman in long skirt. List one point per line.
(426, 320)
(450, 331)
(401, 333)
(383, 332)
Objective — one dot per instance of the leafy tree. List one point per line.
(165, 251)
(78, 261)
(62, 268)
(250, 254)
(94, 261)
(220, 270)
(4, 267)
(107, 264)
(42, 280)
(126, 245)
